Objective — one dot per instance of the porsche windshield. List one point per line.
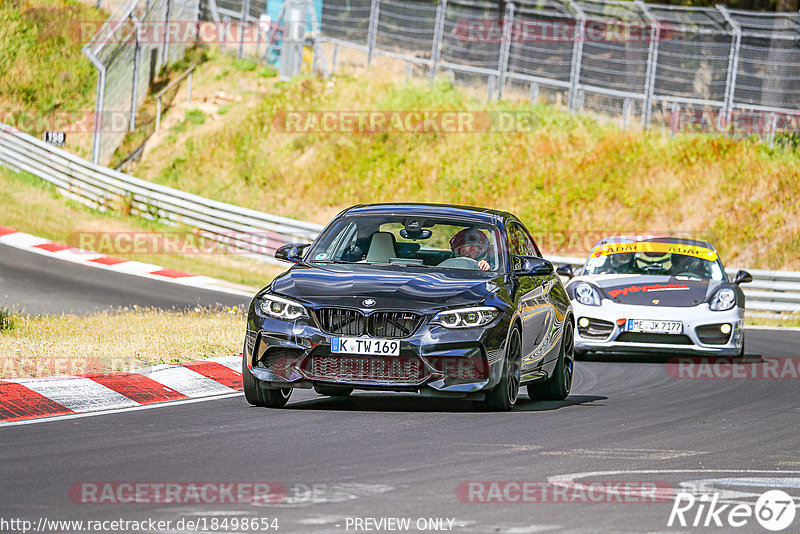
(404, 240)
(655, 258)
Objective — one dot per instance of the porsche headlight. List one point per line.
(466, 317)
(280, 308)
(725, 299)
(587, 295)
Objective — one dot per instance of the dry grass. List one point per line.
(120, 340)
(570, 178)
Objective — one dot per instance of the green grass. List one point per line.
(41, 65)
(31, 205)
(570, 178)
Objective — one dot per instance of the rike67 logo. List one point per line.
(774, 510)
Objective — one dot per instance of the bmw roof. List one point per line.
(429, 210)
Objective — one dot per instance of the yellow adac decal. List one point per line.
(651, 246)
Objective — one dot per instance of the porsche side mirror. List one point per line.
(565, 269)
(532, 266)
(293, 252)
(743, 277)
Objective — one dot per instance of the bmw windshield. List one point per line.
(410, 241)
(655, 258)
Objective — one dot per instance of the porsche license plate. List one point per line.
(654, 326)
(374, 347)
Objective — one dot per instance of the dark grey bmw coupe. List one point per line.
(442, 300)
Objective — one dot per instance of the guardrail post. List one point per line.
(242, 26)
(438, 30)
(334, 57)
(189, 88)
(372, 32)
(505, 48)
(534, 94)
(158, 114)
(490, 86)
(577, 58)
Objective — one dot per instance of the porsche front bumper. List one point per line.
(702, 329)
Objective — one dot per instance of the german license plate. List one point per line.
(655, 326)
(373, 347)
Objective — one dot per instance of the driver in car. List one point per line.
(472, 243)
(653, 262)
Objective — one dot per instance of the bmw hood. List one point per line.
(651, 290)
(388, 285)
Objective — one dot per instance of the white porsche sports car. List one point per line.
(659, 294)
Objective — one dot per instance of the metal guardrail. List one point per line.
(770, 291)
(252, 232)
(249, 231)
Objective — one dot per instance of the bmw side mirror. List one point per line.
(743, 277)
(532, 266)
(293, 252)
(565, 269)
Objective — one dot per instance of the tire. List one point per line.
(259, 396)
(742, 351)
(333, 391)
(503, 396)
(558, 386)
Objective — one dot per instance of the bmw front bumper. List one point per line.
(433, 360)
(702, 329)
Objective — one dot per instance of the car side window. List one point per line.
(520, 243)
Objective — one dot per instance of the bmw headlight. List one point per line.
(280, 308)
(466, 317)
(725, 299)
(587, 295)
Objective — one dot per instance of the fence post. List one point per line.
(98, 106)
(534, 92)
(577, 57)
(652, 64)
(627, 104)
(505, 48)
(733, 66)
(242, 26)
(136, 63)
(490, 86)
(772, 125)
(165, 49)
(674, 119)
(372, 33)
(438, 30)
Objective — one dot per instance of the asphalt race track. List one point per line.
(376, 456)
(36, 284)
(392, 455)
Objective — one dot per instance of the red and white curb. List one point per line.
(38, 245)
(32, 398)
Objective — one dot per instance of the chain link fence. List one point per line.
(710, 69)
(688, 68)
(128, 52)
